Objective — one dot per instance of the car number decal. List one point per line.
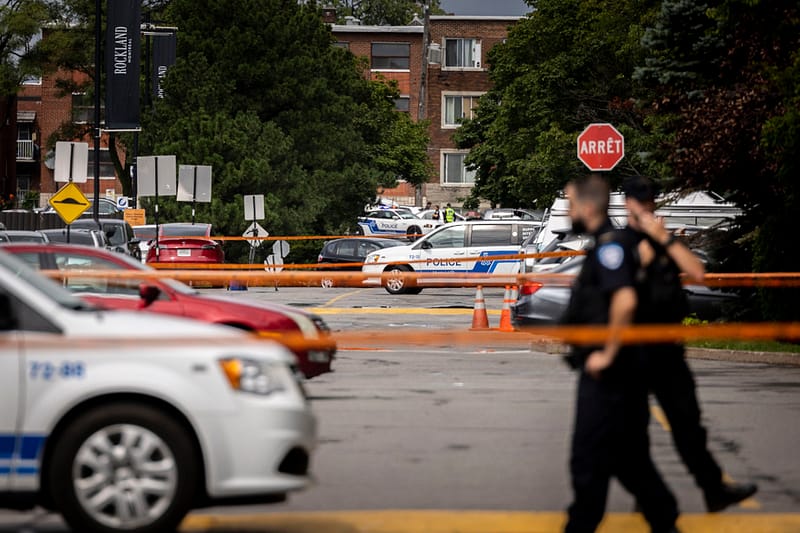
(45, 370)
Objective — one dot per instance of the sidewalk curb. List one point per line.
(709, 354)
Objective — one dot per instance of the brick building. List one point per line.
(41, 110)
(457, 76)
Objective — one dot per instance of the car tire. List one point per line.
(124, 453)
(396, 285)
(413, 233)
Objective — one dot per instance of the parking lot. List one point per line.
(448, 432)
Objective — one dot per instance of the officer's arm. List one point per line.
(623, 306)
(685, 259)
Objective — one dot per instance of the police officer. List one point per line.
(611, 414)
(662, 300)
(449, 214)
(435, 215)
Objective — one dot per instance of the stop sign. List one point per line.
(601, 147)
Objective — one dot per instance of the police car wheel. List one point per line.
(396, 285)
(413, 233)
(124, 467)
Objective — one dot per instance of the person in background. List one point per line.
(449, 214)
(662, 300)
(436, 215)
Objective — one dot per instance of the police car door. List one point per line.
(488, 240)
(442, 251)
(9, 388)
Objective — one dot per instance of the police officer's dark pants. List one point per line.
(673, 385)
(610, 439)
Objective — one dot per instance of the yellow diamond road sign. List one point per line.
(69, 202)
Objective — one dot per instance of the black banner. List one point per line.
(163, 58)
(123, 42)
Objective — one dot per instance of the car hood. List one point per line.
(308, 323)
(105, 323)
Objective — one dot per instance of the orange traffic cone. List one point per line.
(480, 320)
(505, 314)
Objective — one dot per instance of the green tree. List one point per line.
(260, 93)
(384, 12)
(568, 64)
(735, 129)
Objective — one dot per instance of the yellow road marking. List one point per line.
(337, 298)
(660, 417)
(411, 521)
(394, 311)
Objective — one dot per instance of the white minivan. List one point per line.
(449, 249)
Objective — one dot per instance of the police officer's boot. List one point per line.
(729, 494)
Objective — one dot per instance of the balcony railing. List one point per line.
(25, 150)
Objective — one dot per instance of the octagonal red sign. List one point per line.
(601, 147)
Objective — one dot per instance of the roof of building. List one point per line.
(484, 18)
(347, 28)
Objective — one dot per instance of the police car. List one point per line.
(395, 222)
(448, 249)
(128, 436)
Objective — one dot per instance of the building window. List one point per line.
(32, 80)
(402, 104)
(456, 107)
(106, 166)
(462, 53)
(342, 44)
(82, 108)
(453, 170)
(390, 56)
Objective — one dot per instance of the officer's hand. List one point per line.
(648, 222)
(597, 362)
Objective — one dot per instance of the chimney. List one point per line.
(329, 14)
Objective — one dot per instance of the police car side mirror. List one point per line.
(426, 245)
(8, 321)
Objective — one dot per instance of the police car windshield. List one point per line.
(47, 287)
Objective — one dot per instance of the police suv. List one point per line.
(395, 222)
(449, 249)
(123, 434)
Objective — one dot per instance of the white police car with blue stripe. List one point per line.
(120, 431)
(452, 247)
(395, 222)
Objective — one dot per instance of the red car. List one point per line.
(174, 298)
(185, 243)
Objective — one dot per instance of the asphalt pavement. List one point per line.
(475, 440)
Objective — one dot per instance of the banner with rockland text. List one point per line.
(163, 59)
(123, 44)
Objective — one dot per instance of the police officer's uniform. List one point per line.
(661, 301)
(449, 215)
(611, 417)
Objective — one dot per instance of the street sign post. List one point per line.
(601, 147)
(72, 162)
(69, 202)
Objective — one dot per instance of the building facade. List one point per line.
(456, 77)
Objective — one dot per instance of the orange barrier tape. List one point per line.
(422, 279)
(575, 335)
(299, 266)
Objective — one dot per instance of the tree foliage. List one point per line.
(568, 64)
(260, 93)
(383, 12)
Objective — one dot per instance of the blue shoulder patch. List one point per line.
(611, 255)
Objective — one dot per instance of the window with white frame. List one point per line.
(456, 107)
(462, 53)
(106, 165)
(390, 56)
(454, 172)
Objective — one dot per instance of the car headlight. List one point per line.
(250, 375)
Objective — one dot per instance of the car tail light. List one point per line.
(529, 287)
(319, 259)
(209, 247)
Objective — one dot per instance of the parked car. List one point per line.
(90, 237)
(118, 438)
(538, 303)
(505, 213)
(106, 207)
(351, 250)
(185, 243)
(171, 297)
(22, 236)
(395, 222)
(119, 233)
(447, 248)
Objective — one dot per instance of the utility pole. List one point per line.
(98, 19)
(423, 80)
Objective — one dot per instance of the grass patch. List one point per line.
(747, 346)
